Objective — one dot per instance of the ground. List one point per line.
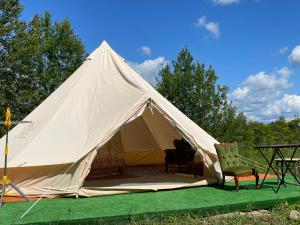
(183, 206)
(278, 215)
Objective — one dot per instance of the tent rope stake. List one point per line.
(5, 182)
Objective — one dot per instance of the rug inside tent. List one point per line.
(142, 178)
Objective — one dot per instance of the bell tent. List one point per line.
(103, 119)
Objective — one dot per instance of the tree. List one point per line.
(193, 89)
(10, 25)
(35, 57)
(48, 53)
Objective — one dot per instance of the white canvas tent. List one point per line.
(104, 106)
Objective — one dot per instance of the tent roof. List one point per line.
(87, 110)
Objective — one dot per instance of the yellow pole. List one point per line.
(7, 124)
(5, 181)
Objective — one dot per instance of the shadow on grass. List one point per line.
(232, 188)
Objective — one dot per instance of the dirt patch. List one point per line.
(249, 178)
(17, 199)
(264, 216)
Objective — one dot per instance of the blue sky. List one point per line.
(252, 44)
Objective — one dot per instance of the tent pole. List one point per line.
(5, 181)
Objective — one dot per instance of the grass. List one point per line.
(278, 215)
(181, 205)
(257, 157)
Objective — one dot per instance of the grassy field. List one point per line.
(261, 164)
(278, 215)
(182, 206)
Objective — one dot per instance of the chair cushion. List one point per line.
(239, 170)
(228, 155)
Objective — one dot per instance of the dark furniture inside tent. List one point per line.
(183, 157)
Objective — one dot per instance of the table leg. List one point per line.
(270, 165)
(288, 165)
(279, 168)
(281, 164)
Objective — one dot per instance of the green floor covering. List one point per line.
(203, 200)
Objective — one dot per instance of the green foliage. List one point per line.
(193, 89)
(276, 132)
(10, 11)
(278, 215)
(36, 57)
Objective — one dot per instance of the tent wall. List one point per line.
(108, 159)
(59, 179)
(140, 142)
(77, 120)
(147, 138)
(161, 129)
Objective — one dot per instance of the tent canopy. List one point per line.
(104, 101)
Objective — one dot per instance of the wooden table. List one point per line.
(277, 151)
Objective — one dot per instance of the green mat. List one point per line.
(202, 200)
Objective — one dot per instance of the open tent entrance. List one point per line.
(109, 141)
(134, 160)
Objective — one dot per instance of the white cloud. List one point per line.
(285, 72)
(211, 27)
(282, 50)
(144, 50)
(225, 2)
(149, 69)
(288, 106)
(295, 56)
(261, 96)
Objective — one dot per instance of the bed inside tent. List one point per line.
(133, 160)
